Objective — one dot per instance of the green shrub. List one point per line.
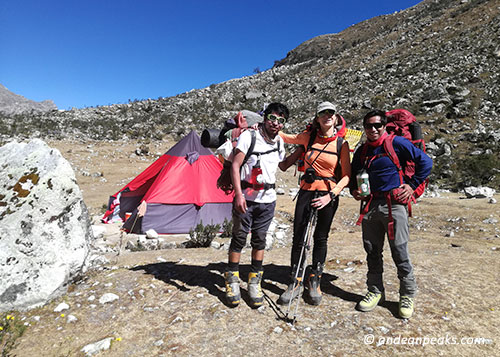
(227, 228)
(202, 236)
(481, 170)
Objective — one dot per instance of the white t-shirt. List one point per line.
(268, 163)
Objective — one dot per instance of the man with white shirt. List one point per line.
(254, 202)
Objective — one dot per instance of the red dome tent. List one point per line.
(179, 191)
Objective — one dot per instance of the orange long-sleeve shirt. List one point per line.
(323, 163)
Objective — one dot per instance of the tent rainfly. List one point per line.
(178, 191)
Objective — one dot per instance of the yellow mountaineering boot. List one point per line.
(233, 294)
(254, 289)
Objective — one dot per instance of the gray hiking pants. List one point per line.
(374, 226)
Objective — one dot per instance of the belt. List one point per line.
(321, 178)
(266, 186)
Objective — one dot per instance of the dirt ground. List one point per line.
(171, 302)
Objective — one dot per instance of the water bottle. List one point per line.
(363, 183)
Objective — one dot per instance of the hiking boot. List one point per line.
(291, 292)
(405, 307)
(313, 285)
(370, 301)
(254, 288)
(233, 295)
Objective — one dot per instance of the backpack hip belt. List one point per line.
(321, 178)
(389, 199)
(267, 186)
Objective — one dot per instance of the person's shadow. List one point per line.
(211, 277)
(184, 277)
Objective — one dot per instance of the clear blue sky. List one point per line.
(97, 52)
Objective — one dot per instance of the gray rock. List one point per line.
(479, 192)
(278, 330)
(108, 297)
(168, 245)
(147, 244)
(158, 343)
(269, 241)
(151, 234)
(131, 246)
(45, 230)
(98, 231)
(96, 347)
(384, 330)
(279, 235)
(431, 147)
(71, 319)
(61, 307)
(253, 94)
(447, 150)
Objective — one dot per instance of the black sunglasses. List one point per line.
(327, 112)
(373, 125)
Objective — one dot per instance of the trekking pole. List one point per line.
(122, 231)
(302, 264)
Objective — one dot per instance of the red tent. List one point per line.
(179, 191)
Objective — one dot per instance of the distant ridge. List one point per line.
(11, 103)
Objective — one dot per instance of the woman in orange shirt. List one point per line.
(319, 189)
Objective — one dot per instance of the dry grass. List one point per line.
(172, 301)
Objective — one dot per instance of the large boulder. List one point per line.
(45, 231)
(479, 192)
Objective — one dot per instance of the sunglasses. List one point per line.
(326, 112)
(273, 118)
(373, 125)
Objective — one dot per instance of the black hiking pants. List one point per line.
(302, 214)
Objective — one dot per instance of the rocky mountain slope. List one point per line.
(11, 103)
(439, 59)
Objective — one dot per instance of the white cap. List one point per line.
(325, 106)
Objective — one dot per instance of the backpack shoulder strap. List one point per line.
(338, 167)
(389, 149)
(364, 151)
(277, 147)
(251, 147)
(340, 141)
